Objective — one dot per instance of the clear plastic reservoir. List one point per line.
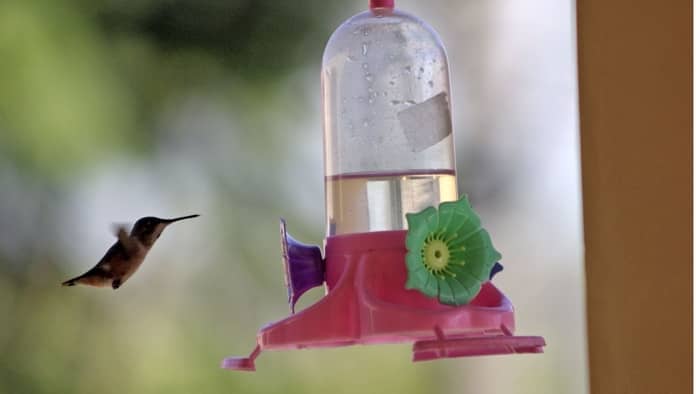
(387, 122)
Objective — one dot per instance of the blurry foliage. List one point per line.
(258, 40)
(80, 80)
(60, 106)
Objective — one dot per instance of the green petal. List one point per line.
(469, 220)
(416, 279)
(430, 287)
(478, 240)
(479, 270)
(419, 226)
(450, 214)
(458, 255)
(480, 255)
(462, 294)
(433, 220)
(471, 287)
(465, 276)
(445, 293)
(414, 261)
(417, 219)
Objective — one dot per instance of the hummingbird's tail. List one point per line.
(71, 282)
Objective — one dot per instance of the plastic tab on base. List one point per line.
(477, 346)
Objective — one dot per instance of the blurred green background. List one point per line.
(112, 110)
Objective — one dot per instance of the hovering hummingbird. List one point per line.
(126, 255)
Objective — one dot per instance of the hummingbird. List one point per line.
(126, 255)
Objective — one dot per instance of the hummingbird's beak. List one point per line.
(168, 221)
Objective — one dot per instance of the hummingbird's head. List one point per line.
(148, 229)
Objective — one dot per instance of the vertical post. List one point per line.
(635, 81)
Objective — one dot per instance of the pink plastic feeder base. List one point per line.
(480, 346)
(242, 363)
(366, 303)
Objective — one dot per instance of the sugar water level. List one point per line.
(358, 203)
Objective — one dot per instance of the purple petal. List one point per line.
(496, 269)
(304, 267)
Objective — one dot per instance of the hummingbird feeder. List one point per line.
(405, 259)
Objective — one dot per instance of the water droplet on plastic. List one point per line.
(407, 69)
(421, 69)
(430, 83)
(365, 65)
(364, 49)
(368, 77)
(392, 83)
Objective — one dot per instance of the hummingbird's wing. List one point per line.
(130, 244)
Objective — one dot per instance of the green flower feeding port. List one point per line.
(449, 254)
(404, 260)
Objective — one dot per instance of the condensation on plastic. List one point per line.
(386, 97)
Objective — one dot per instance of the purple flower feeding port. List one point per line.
(496, 269)
(304, 267)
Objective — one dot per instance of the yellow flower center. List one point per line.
(436, 254)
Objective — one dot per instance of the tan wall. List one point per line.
(636, 142)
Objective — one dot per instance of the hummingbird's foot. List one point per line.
(116, 283)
